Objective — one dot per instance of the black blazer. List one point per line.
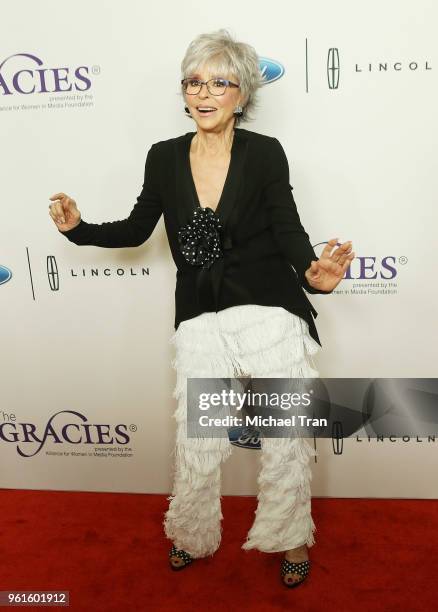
(261, 236)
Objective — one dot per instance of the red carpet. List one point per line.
(110, 552)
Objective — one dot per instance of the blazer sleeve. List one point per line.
(137, 227)
(289, 233)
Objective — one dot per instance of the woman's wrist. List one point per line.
(72, 228)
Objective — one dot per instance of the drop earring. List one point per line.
(187, 111)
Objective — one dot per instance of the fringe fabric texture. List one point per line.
(264, 342)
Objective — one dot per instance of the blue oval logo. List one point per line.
(271, 70)
(5, 274)
(245, 437)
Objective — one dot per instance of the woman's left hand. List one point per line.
(326, 273)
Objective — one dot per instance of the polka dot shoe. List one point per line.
(179, 558)
(288, 568)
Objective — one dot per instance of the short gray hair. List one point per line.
(228, 58)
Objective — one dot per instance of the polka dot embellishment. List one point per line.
(291, 567)
(182, 554)
(200, 240)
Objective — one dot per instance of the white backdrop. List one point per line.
(93, 338)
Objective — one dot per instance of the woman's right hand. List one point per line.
(64, 212)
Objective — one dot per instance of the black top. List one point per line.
(256, 229)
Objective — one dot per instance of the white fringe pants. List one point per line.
(265, 342)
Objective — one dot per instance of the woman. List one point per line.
(243, 259)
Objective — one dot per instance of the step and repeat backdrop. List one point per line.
(85, 90)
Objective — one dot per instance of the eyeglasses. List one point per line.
(216, 87)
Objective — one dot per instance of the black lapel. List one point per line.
(184, 200)
(234, 185)
(185, 197)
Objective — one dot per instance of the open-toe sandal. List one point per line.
(294, 567)
(183, 558)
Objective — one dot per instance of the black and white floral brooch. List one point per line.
(200, 239)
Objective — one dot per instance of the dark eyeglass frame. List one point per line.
(201, 83)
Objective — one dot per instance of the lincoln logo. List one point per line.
(36, 79)
(337, 438)
(52, 273)
(333, 68)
